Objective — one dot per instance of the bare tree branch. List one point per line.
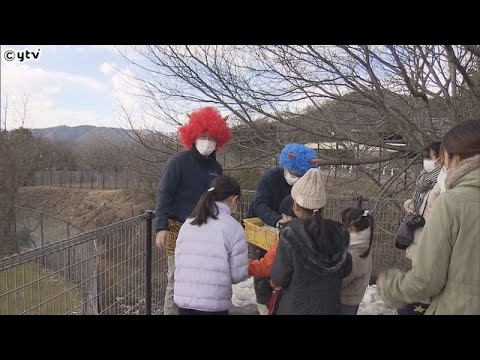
(371, 98)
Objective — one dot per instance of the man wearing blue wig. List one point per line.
(274, 186)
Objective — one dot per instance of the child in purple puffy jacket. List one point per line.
(211, 252)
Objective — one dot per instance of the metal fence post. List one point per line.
(41, 227)
(360, 201)
(73, 249)
(41, 234)
(15, 220)
(148, 263)
(15, 223)
(380, 167)
(336, 152)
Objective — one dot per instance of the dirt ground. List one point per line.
(85, 208)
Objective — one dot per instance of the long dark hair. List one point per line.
(435, 147)
(463, 139)
(316, 229)
(355, 217)
(223, 187)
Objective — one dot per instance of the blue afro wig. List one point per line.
(297, 158)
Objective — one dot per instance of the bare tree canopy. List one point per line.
(357, 98)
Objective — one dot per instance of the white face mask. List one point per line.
(290, 178)
(360, 239)
(441, 179)
(428, 165)
(205, 147)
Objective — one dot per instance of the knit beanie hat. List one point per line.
(309, 190)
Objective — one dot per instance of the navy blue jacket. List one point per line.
(271, 190)
(186, 177)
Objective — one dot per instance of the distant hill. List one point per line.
(81, 134)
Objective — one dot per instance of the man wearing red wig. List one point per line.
(186, 177)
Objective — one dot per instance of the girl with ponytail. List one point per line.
(360, 225)
(312, 256)
(211, 252)
(226, 190)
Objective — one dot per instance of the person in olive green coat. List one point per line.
(447, 265)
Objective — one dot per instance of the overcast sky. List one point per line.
(65, 85)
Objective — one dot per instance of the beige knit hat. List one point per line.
(309, 190)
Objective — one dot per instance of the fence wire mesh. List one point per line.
(105, 271)
(99, 272)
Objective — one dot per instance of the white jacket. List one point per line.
(208, 260)
(428, 201)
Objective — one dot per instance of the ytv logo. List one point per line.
(21, 55)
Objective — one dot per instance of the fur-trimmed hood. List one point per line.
(464, 167)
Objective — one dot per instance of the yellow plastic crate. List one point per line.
(258, 235)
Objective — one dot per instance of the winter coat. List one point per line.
(261, 267)
(270, 192)
(447, 264)
(185, 178)
(426, 209)
(310, 281)
(355, 284)
(208, 260)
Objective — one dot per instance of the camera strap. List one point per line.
(426, 202)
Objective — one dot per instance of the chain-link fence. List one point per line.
(24, 229)
(118, 270)
(387, 214)
(112, 270)
(93, 179)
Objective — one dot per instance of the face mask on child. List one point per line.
(360, 240)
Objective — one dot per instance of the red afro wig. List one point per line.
(205, 120)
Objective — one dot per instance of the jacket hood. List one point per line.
(306, 247)
(467, 173)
